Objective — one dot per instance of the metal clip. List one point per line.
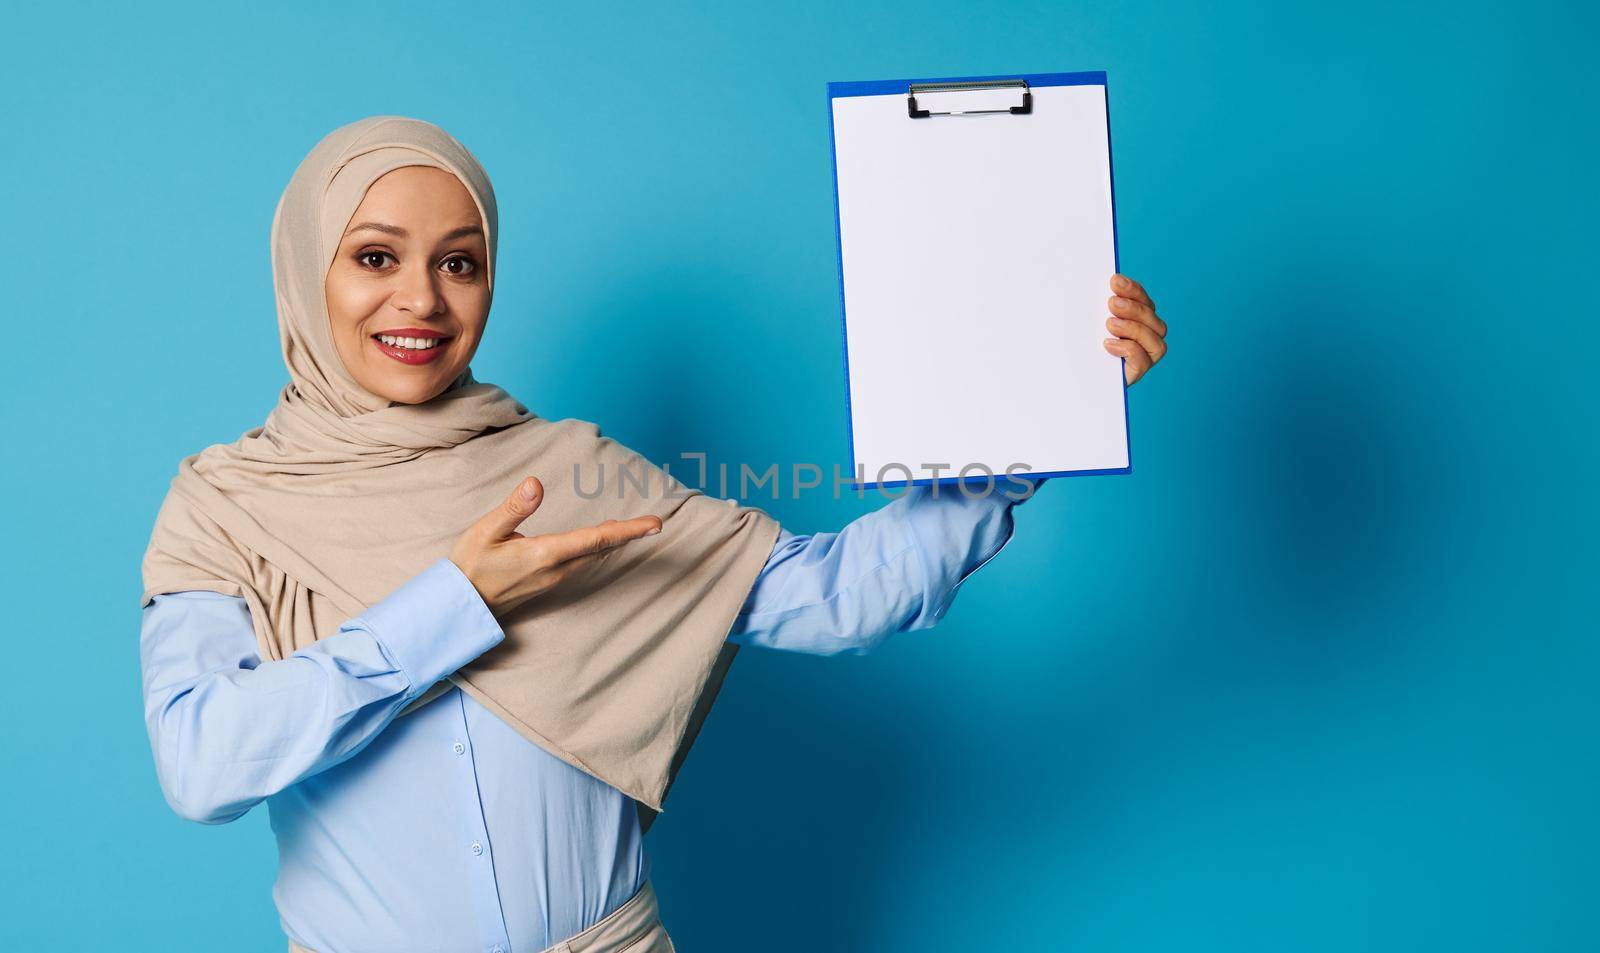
(1022, 110)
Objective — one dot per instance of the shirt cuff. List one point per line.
(965, 535)
(431, 625)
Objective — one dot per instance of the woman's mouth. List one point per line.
(412, 346)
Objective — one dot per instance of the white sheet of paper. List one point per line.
(976, 253)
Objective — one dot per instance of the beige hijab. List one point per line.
(341, 496)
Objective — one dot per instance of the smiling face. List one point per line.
(408, 296)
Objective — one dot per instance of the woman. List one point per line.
(357, 558)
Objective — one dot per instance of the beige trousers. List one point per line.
(634, 927)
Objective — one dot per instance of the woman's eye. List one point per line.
(468, 266)
(458, 265)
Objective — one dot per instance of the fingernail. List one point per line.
(1122, 282)
(652, 532)
(527, 489)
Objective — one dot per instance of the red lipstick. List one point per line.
(412, 355)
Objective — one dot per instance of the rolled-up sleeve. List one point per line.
(228, 730)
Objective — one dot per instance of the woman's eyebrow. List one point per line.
(397, 230)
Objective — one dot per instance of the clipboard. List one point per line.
(975, 224)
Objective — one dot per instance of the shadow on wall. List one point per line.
(1289, 519)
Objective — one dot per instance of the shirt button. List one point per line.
(458, 748)
(477, 848)
(497, 950)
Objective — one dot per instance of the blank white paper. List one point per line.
(976, 253)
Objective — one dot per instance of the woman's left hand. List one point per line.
(1140, 332)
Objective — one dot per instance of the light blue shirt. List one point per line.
(445, 829)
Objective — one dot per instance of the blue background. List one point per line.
(1318, 675)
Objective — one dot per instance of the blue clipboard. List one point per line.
(838, 90)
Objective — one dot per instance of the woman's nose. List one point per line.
(416, 292)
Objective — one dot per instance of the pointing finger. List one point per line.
(560, 547)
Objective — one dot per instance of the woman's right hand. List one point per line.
(508, 568)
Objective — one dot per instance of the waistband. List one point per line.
(635, 927)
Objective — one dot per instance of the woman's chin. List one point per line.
(416, 388)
